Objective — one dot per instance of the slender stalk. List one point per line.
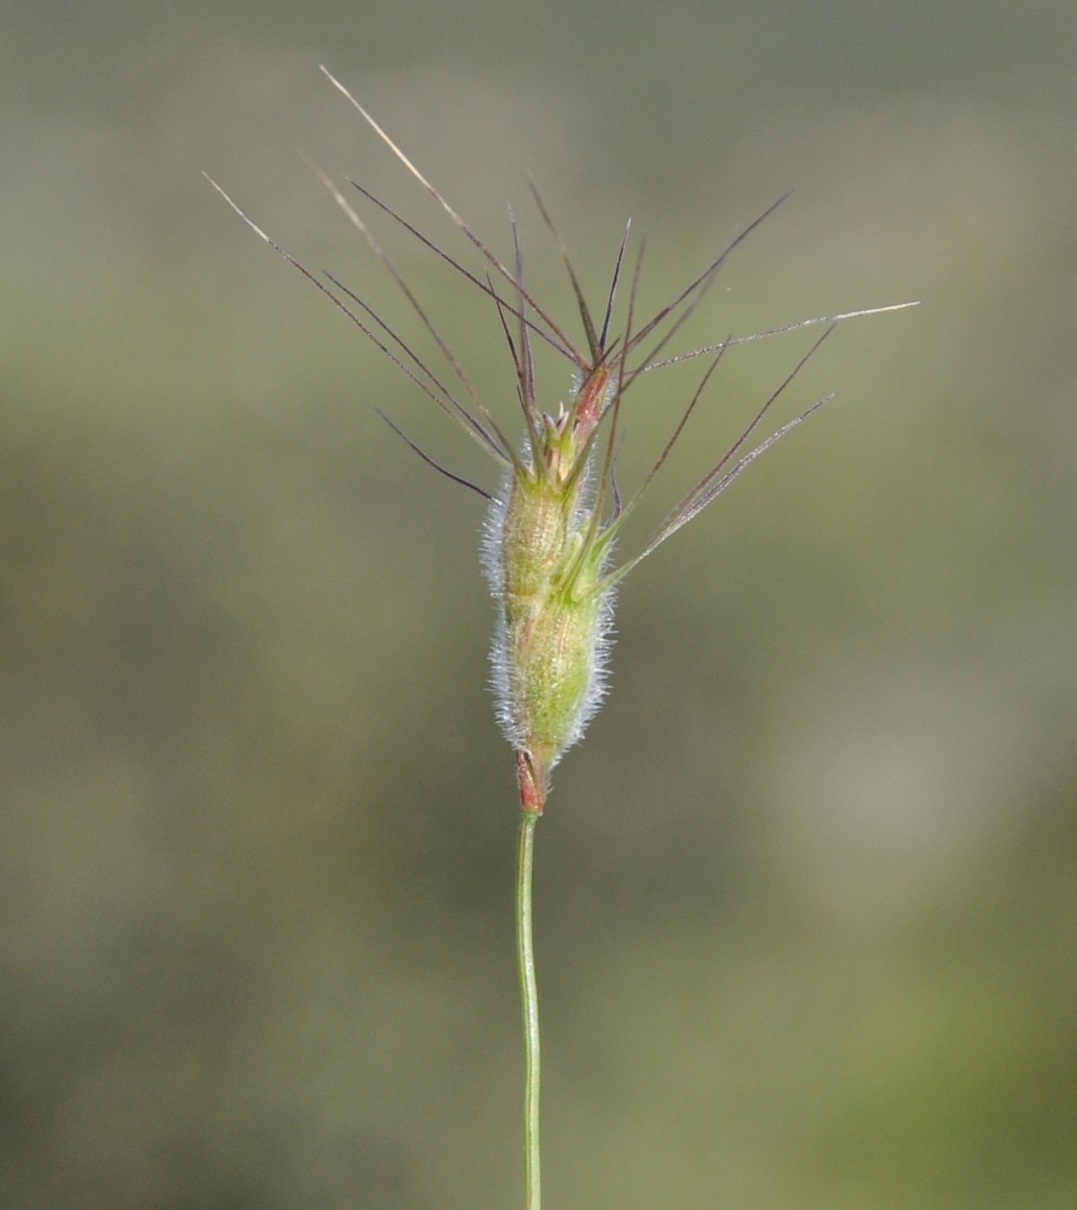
(525, 957)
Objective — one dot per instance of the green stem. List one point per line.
(525, 957)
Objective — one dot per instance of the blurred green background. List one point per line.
(807, 895)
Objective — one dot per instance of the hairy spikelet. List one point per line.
(548, 684)
(551, 524)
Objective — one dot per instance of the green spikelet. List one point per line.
(550, 528)
(545, 556)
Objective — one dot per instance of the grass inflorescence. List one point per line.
(556, 511)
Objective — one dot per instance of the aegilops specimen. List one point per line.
(552, 521)
(553, 517)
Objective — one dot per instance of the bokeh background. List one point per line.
(807, 896)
